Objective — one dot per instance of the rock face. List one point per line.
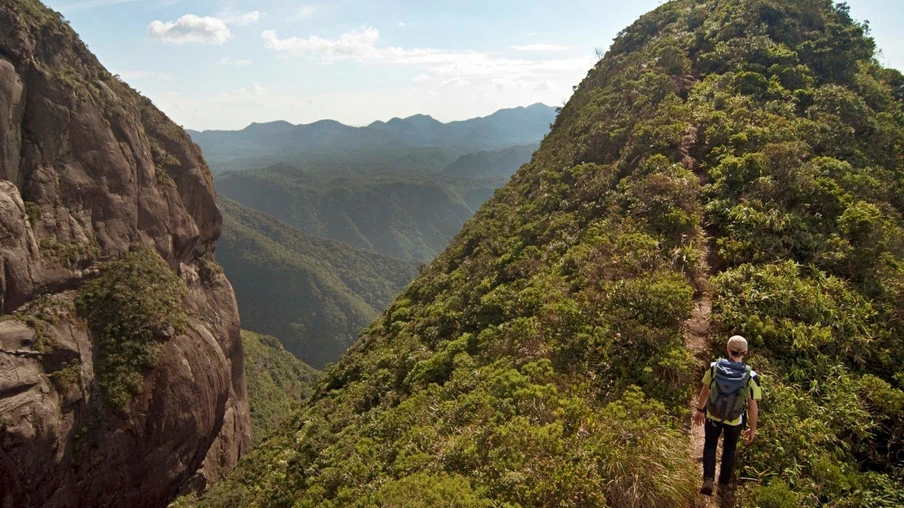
(89, 168)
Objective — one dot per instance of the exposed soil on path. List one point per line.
(696, 339)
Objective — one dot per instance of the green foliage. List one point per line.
(68, 254)
(405, 215)
(422, 489)
(131, 308)
(636, 436)
(67, 376)
(34, 212)
(776, 494)
(277, 383)
(541, 358)
(315, 295)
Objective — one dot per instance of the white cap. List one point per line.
(737, 344)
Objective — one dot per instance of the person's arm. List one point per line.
(753, 412)
(701, 403)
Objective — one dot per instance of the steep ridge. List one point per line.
(315, 295)
(540, 360)
(121, 374)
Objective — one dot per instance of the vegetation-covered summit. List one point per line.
(747, 151)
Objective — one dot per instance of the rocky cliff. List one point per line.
(99, 404)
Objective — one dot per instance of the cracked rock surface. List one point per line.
(88, 169)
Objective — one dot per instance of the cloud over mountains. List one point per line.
(191, 29)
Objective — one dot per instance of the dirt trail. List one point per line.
(696, 336)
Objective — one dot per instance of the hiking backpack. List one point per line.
(729, 390)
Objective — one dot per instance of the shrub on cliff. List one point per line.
(132, 308)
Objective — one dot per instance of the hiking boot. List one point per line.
(727, 496)
(707, 488)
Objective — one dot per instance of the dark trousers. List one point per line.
(729, 449)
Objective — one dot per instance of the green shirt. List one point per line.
(756, 393)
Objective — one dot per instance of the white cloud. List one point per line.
(420, 77)
(349, 45)
(481, 71)
(239, 63)
(239, 18)
(541, 47)
(192, 29)
(402, 24)
(305, 12)
(455, 81)
(247, 94)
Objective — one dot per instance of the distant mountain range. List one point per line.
(320, 239)
(418, 142)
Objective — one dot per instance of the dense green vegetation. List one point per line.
(277, 382)
(410, 216)
(132, 308)
(539, 360)
(315, 295)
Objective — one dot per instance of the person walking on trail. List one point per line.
(727, 400)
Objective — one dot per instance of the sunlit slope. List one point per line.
(539, 360)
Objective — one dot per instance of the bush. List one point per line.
(636, 443)
(132, 308)
(422, 489)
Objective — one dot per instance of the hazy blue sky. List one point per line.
(222, 64)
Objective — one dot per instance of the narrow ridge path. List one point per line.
(696, 340)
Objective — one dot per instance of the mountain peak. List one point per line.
(278, 126)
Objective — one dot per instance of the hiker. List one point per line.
(728, 400)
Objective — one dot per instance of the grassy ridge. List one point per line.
(539, 360)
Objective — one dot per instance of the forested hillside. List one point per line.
(743, 151)
(315, 295)
(278, 382)
(491, 163)
(410, 216)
